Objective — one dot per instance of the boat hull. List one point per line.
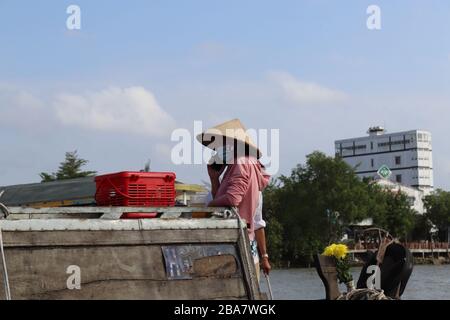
(128, 259)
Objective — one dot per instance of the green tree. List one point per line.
(274, 232)
(274, 229)
(312, 207)
(315, 202)
(398, 217)
(422, 228)
(437, 207)
(70, 168)
(391, 211)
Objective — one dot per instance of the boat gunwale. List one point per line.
(118, 225)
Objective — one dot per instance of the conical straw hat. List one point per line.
(233, 129)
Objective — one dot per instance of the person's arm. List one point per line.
(260, 236)
(238, 183)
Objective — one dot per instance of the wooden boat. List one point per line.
(90, 253)
(394, 263)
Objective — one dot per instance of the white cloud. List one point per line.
(306, 93)
(26, 100)
(21, 108)
(132, 109)
(15, 100)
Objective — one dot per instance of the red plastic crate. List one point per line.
(136, 189)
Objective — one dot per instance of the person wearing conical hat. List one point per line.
(243, 180)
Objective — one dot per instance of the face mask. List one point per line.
(225, 153)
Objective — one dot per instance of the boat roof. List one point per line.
(80, 191)
(70, 192)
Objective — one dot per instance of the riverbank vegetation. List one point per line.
(323, 198)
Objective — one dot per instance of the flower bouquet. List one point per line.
(339, 253)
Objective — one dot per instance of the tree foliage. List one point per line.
(274, 229)
(70, 168)
(319, 200)
(438, 211)
(391, 211)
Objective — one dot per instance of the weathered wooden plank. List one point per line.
(38, 270)
(95, 238)
(89, 215)
(95, 209)
(119, 272)
(99, 224)
(197, 289)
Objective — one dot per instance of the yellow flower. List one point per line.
(339, 251)
(329, 251)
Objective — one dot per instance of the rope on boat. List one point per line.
(269, 286)
(6, 212)
(364, 294)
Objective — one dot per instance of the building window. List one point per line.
(398, 178)
(422, 137)
(393, 143)
(371, 146)
(398, 160)
(372, 164)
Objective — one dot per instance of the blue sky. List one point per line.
(213, 61)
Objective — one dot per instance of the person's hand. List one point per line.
(265, 265)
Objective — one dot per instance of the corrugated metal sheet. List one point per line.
(75, 191)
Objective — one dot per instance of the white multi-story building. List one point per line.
(407, 156)
(414, 195)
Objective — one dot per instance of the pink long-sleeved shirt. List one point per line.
(240, 188)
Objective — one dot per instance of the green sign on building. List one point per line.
(384, 172)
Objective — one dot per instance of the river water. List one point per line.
(427, 282)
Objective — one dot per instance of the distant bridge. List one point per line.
(424, 249)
